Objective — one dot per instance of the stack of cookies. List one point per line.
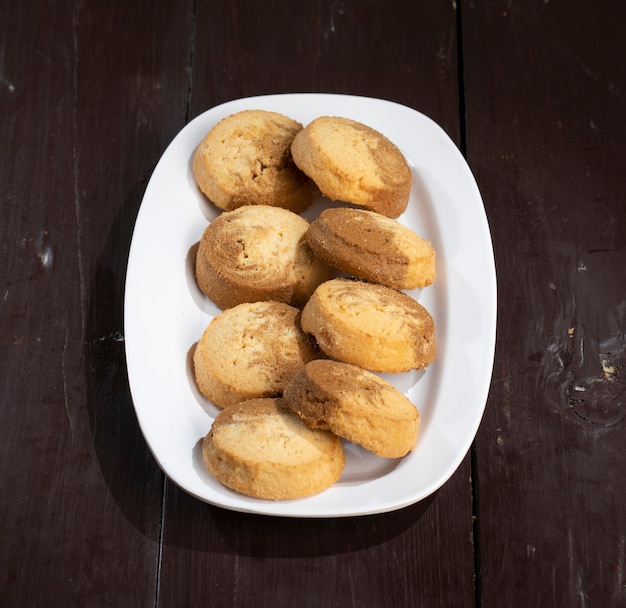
(310, 310)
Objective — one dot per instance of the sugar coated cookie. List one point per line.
(245, 159)
(261, 448)
(356, 405)
(372, 247)
(371, 326)
(250, 351)
(352, 162)
(258, 253)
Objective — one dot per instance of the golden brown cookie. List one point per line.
(354, 404)
(250, 351)
(261, 448)
(258, 253)
(245, 159)
(372, 247)
(354, 163)
(371, 326)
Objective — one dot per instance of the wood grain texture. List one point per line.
(401, 51)
(546, 124)
(87, 106)
(92, 93)
(417, 556)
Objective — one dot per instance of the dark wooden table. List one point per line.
(534, 94)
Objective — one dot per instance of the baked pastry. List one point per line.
(354, 404)
(249, 351)
(352, 162)
(261, 448)
(258, 253)
(245, 159)
(371, 326)
(372, 247)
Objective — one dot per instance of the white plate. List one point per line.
(165, 314)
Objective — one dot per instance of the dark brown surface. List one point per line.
(533, 91)
(546, 136)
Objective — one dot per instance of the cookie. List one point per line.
(354, 404)
(261, 448)
(245, 159)
(354, 163)
(249, 351)
(257, 253)
(372, 247)
(371, 326)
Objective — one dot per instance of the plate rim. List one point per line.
(295, 508)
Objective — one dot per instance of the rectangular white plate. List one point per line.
(165, 314)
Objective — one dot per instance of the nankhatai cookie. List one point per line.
(354, 163)
(251, 350)
(261, 448)
(372, 326)
(372, 247)
(354, 404)
(258, 253)
(245, 159)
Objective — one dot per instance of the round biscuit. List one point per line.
(372, 247)
(260, 448)
(352, 162)
(257, 253)
(354, 404)
(249, 351)
(372, 326)
(245, 159)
